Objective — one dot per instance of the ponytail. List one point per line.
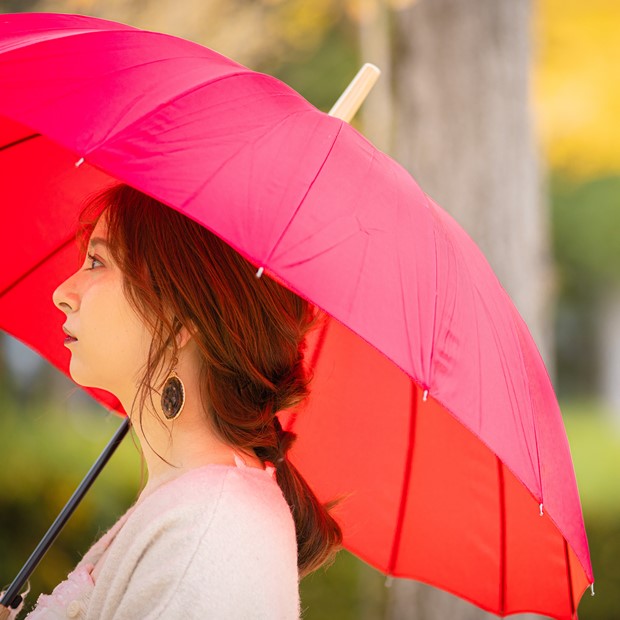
(319, 536)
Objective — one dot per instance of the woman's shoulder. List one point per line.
(206, 488)
(243, 504)
(212, 534)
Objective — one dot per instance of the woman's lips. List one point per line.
(69, 337)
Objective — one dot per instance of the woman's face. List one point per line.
(112, 340)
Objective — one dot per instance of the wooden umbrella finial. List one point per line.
(355, 93)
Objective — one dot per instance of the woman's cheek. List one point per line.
(114, 342)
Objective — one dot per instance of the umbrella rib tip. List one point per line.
(259, 273)
(79, 162)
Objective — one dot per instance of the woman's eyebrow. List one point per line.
(97, 241)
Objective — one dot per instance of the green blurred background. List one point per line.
(52, 432)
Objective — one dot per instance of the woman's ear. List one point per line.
(184, 334)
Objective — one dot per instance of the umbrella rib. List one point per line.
(54, 35)
(316, 354)
(301, 202)
(163, 104)
(19, 280)
(406, 479)
(568, 578)
(502, 544)
(321, 341)
(16, 142)
(222, 164)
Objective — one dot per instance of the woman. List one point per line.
(202, 355)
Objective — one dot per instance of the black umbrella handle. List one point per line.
(11, 598)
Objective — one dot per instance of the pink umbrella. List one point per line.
(431, 407)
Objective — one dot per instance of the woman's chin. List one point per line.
(84, 379)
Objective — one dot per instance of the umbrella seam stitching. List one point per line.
(534, 458)
(529, 393)
(432, 354)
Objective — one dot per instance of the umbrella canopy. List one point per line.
(431, 407)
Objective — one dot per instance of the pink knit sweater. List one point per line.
(216, 542)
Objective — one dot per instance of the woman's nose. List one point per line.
(65, 297)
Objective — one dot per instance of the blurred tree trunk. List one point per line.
(609, 347)
(461, 87)
(465, 132)
(19, 6)
(377, 113)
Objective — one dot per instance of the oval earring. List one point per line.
(173, 394)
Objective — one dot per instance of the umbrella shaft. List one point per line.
(63, 517)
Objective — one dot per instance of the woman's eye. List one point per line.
(92, 259)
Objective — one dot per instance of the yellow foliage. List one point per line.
(576, 84)
(302, 24)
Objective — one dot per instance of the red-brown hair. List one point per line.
(250, 333)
